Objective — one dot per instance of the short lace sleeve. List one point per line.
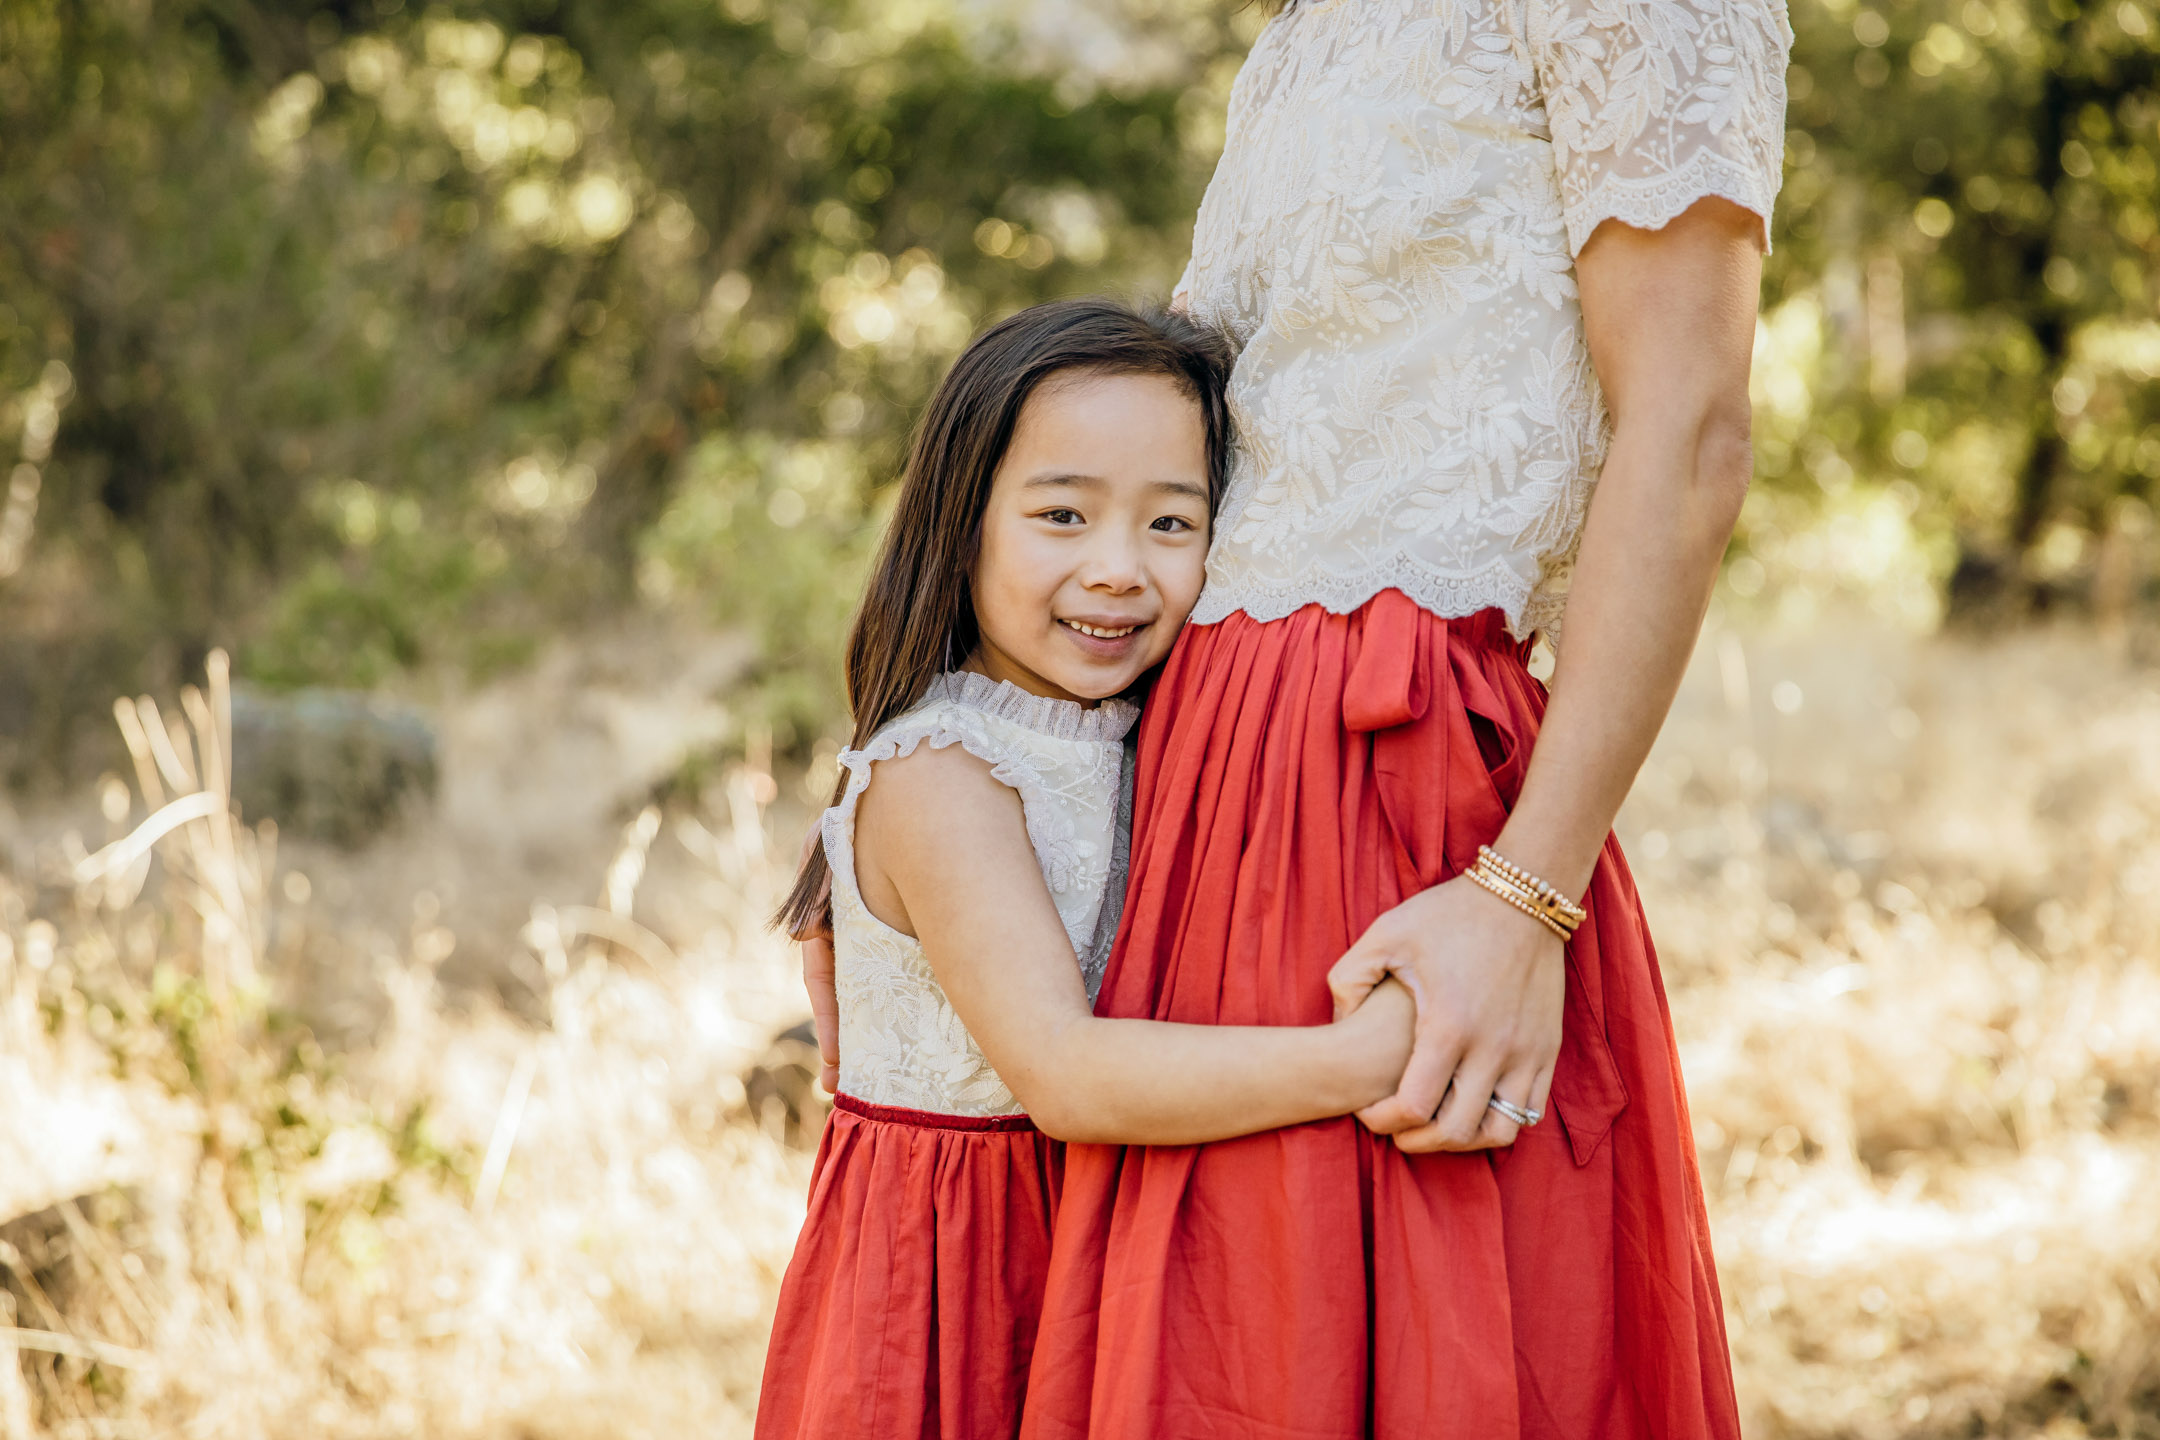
(1655, 104)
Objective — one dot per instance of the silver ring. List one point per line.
(1514, 1112)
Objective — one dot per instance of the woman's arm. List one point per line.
(1670, 319)
(942, 853)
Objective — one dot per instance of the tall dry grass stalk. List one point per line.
(1907, 895)
(469, 1226)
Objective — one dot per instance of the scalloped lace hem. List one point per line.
(1529, 608)
(1656, 201)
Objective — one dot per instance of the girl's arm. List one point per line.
(942, 853)
(1670, 320)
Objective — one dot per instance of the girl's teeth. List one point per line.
(1101, 634)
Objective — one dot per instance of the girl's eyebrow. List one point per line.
(1095, 482)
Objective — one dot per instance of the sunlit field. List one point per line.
(272, 1165)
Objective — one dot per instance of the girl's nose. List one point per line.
(1113, 563)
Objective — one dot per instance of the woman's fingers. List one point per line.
(1524, 1086)
(1519, 1087)
(1516, 1088)
(1494, 1132)
(1463, 1113)
(1424, 1081)
(1541, 1090)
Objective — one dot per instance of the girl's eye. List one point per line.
(1062, 517)
(1172, 524)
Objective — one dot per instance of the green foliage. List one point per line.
(386, 337)
(1969, 218)
(367, 337)
(773, 534)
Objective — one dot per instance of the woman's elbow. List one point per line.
(1724, 462)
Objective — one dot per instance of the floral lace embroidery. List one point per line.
(1390, 236)
(900, 1041)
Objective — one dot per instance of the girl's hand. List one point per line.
(1377, 1033)
(819, 979)
(1488, 983)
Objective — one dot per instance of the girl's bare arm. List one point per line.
(942, 853)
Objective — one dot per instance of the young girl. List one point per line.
(1048, 544)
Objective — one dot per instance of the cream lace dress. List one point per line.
(900, 1042)
(1390, 236)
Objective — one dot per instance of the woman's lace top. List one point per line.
(900, 1042)
(1390, 237)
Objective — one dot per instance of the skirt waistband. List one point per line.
(932, 1120)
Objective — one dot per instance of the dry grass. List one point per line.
(1912, 931)
(468, 1227)
(1909, 901)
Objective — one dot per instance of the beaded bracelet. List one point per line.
(1486, 880)
(1548, 893)
(1500, 884)
(1511, 882)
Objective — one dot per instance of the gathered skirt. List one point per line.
(909, 1309)
(1298, 777)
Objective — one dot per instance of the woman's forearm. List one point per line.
(1143, 1082)
(1650, 553)
(1672, 354)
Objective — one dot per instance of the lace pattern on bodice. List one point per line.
(1390, 236)
(900, 1041)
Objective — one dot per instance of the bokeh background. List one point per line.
(457, 431)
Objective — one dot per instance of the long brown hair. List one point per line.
(917, 618)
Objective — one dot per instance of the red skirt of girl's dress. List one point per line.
(1297, 777)
(910, 1307)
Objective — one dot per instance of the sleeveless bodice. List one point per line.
(901, 1044)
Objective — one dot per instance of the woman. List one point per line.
(1478, 254)
(1389, 236)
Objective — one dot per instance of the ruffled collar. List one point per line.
(1058, 719)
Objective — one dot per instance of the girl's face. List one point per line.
(1095, 541)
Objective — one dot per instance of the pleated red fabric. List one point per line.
(1296, 778)
(910, 1306)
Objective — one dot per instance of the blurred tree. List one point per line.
(1970, 211)
(363, 337)
(360, 337)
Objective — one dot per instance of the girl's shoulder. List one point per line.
(940, 764)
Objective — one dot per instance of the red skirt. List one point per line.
(1297, 778)
(909, 1309)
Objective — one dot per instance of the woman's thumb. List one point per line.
(1353, 977)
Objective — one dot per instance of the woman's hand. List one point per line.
(1488, 981)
